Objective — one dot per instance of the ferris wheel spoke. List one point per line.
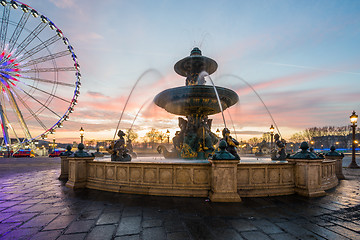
(42, 104)
(12, 129)
(4, 26)
(63, 69)
(46, 58)
(18, 30)
(32, 112)
(4, 124)
(30, 38)
(50, 94)
(47, 81)
(39, 47)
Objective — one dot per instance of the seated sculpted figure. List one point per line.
(118, 150)
(232, 143)
(280, 155)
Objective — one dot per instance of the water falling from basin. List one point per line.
(205, 74)
(251, 87)
(132, 90)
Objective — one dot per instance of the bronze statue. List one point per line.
(232, 143)
(118, 150)
(81, 153)
(281, 154)
(68, 151)
(223, 154)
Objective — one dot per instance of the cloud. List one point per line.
(313, 68)
(64, 3)
(96, 95)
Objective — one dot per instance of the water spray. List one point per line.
(248, 84)
(127, 100)
(203, 74)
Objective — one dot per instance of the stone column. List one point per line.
(64, 175)
(224, 181)
(338, 165)
(78, 172)
(308, 177)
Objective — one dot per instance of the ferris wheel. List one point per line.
(39, 75)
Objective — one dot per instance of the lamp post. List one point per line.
(272, 136)
(54, 144)
(353, 120)
(81, 135)
(168, 135)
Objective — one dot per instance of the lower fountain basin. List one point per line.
(197, 99)
(252, 177)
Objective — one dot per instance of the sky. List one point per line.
(301, 58)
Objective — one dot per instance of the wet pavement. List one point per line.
(34, 204)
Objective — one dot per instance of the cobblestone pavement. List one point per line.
(34, 204)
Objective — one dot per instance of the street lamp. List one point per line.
(82, 135)
(54, 144)
(168, 135)
(272, 136)
(353, 120)
(218, 132)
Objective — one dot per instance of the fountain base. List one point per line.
(202, 178)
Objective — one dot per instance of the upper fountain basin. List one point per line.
(196, 99)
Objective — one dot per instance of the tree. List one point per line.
(152, 135)
(297, 138)
(343, 131)
(254, 141)
(161, 136)
(266, 137)
(130, 134)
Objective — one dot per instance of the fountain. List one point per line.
(191, 172)
(196, 101)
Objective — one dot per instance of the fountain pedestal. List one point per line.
(224, 181)
(308, 177)
(64, 175)
(312, 173)
(333, 155)
(78, 171)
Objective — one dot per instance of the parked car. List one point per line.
(24, 153)
(56, 153)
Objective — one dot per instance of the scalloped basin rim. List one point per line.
(197, 99)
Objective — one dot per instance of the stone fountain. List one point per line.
(221, 178)
(196, 101)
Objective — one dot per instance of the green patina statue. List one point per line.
(118, 149)
(304, 153)
(81, 153)
(333, 152)
(68, 151)
(231, 143)
(223, 154)
(280, 154)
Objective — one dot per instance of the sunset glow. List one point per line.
(301, 57)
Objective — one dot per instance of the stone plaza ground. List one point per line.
(34, 204)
